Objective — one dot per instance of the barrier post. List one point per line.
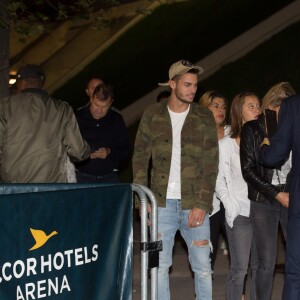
(154, 246)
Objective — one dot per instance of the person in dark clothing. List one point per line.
(286, 140)
(105, 131)
(267, 189)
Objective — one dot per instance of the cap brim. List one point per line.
(164, 83)
(201, 70)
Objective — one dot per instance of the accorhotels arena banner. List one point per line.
(71, 242)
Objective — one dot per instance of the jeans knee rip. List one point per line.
(202, 243)
(204, 274)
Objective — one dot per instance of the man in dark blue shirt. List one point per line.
(105, 131)
(286, 139)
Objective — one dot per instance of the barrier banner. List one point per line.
(66, 241)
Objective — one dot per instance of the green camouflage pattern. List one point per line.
(199, 155)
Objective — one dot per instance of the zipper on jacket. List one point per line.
(257, 197)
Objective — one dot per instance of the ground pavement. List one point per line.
(181, 278)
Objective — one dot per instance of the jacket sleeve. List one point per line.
(121, 148)
(209, 164)
(249, 147)
(224, 182)
(77, 147)
(281, 143)
(142, 151)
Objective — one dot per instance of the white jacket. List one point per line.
(216, 201)
(224, 184)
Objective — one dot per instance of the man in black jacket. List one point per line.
(105, 131)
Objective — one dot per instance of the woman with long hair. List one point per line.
(232, 190)
(267, 189)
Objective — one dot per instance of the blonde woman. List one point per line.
(271, 103)
(267, 190)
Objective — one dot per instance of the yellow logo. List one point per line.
(40, 238)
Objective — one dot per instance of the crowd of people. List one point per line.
(204, 171)
(43, 140)
(207, 176)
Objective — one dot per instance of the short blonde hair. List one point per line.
(276, 94)
(207, 98)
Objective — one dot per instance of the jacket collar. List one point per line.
(164, 106)
(42, 92)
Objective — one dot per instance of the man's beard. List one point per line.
(183, 100)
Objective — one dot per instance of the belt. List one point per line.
(96, 176)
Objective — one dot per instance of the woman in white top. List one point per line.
(232, 191)
(216, 103)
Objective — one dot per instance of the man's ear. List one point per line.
(172, 84)
(86, 90)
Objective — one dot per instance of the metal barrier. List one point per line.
(149, 250)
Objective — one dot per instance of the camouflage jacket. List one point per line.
(199, 155)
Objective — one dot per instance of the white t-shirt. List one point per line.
(174, 184)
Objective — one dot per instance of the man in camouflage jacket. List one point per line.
(181, 138)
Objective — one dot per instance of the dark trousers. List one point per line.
(265, 218)
(291, 290)
(240, 241)
(87, 178)
(217, 225)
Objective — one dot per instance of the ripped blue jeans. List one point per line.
(170, 219)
